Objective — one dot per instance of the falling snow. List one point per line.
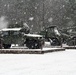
(52, 12)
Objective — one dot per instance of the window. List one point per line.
(15, 33)
(5, 33)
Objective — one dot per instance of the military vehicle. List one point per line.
(21, 36)
(34, 41)
(71, 35)
(59, 36)
(13, 36)
(53, 34)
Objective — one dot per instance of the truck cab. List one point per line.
(11, 36)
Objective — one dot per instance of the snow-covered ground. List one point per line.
(56, 63)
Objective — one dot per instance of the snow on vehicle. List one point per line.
(52, 33)
(71, 35)
(34, 41)
(12, 36)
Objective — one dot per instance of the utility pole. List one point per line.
(42, 15)
(43, 12)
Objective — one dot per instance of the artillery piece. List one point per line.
(67, 36)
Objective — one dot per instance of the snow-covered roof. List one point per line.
(33, 35)
(11, 29)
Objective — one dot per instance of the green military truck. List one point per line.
(12, 36)
(21, 36)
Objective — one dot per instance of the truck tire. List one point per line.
(6, 46)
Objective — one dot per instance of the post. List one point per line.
(61, 41)
(42, 15)
(74, 41)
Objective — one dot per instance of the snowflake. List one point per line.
(24, 13)
(22, 1)
(35, 7)
(31, 18)
(63, 6)
(50, 19)
(5, 5)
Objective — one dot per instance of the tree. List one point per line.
(40, 14)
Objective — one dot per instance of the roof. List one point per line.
(33, 35)
(11, 29)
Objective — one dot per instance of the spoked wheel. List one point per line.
(56, 42)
